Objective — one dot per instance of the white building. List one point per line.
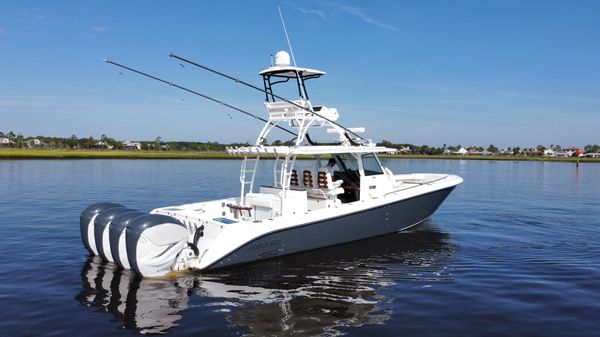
(36, 143)
(5, 141)
(129, 145)
(404, 149)
(462, 151)
(103, 145)
(564, 154)
(549, 153)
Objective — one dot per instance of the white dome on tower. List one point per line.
(282, 59)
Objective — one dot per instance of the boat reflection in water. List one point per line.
(142, 305)
(310, 293)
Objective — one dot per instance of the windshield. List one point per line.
(347, 162)
(371, 165)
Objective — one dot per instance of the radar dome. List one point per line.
(282, 59)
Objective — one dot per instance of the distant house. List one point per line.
(572, 150)
(564, 154)
(592, 155)
(102, 145)
(462, 151)
(481, 153)
(404, 149)
(549, 153)
(36, 143)
(129, 145)
(5, 141)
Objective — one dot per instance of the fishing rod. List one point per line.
(199, 94)
(237, 80)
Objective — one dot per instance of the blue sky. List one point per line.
(511, 73)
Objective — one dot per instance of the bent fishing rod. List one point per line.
(237, 80)
(199, 94)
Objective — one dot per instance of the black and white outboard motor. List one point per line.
(116, 237)
(153, 243)
(86, 224)
(146, 243)
(102, 225)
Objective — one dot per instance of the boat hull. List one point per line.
(384, 219)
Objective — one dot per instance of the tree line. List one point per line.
(491, 149)
(106, 142)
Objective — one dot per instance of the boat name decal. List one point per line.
(264, 244)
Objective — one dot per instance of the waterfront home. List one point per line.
(129, 145)
(6, 141)
(35, 143)
(462, 151)
(103, 145)
(404, 149)
(481, 153)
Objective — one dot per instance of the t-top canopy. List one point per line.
(309, 150)
(291, 72)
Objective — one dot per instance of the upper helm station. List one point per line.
(299, 113)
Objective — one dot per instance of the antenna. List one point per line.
(288, 41)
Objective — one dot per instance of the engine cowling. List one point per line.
(86, 224)
(101, 229)
(116, 236)
(153, 242)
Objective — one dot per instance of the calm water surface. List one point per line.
(515, 250)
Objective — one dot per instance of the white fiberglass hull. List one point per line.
(208, 235)
(247, 241)
(384, 219)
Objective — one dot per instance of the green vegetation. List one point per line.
(106, 154)
(90, 143)
(112, 154)
(492, 157)
(16, 146)
(513, 153)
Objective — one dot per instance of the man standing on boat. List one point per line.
(330, 166)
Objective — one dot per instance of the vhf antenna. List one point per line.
(289, 45)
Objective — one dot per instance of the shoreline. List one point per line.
(21, 154)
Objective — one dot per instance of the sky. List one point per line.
(508, 73)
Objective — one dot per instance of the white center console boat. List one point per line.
(322, 194)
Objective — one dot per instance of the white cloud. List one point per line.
(316, 12)
(361, 15)
(99, 29)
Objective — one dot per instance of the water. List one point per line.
(513, 251)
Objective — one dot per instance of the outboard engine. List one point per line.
(101, 226)
(153, 242)
(116, 235)
(86, 224)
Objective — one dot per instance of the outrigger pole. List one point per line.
(199, 94)
(237, 80)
